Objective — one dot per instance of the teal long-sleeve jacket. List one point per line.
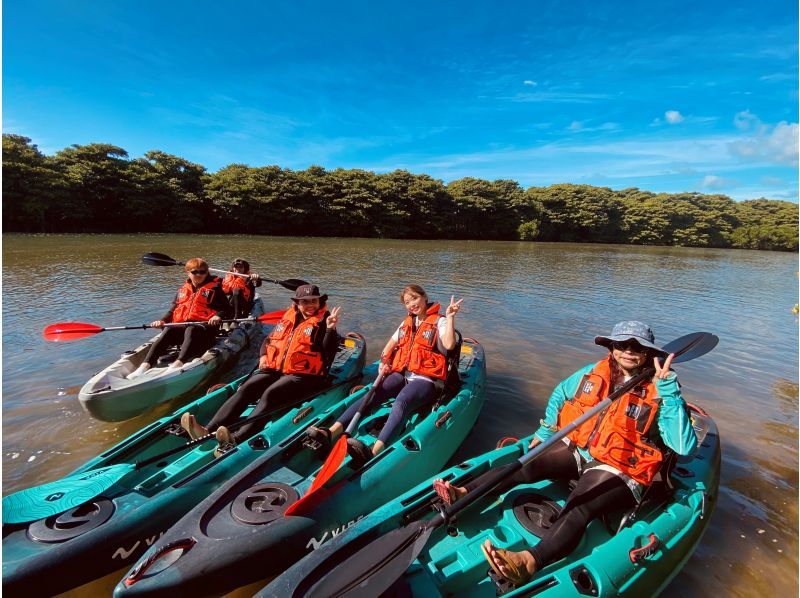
(674, 424)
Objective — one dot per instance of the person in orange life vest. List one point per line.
(200, 299)
(415, 364)
(240, 291)
(614, 456)
(294, 363)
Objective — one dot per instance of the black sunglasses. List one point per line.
(632, 346)
(198, 272)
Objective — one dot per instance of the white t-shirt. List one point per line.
(441, 325)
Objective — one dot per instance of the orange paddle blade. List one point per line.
(69, 331)
(272, 317)
(331, 465)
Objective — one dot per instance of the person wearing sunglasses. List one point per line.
(239, 290)
(614, 456)
(199, 299)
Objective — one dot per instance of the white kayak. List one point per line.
(110, 396)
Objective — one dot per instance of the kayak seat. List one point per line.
(535, 512)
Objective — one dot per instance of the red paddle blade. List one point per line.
(331, 465)
(69, 331)
(272, 317)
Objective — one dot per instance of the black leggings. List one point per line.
(194, 340)
(598, 492)
(270, 389)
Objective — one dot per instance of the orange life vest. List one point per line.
(289, 348)
(231, 281)
(194, 305)
(417, 351)
(618, 435)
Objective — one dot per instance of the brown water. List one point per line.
(535, 307)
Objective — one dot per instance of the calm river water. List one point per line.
(535, 307)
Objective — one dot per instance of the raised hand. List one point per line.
(454, 306)
(333, 319)
(662, 371)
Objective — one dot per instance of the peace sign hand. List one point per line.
(662, 371)
(454, 306)
(333, 319)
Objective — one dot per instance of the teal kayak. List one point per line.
(240, 534)
(156, 483)
(110, 396)
(635, 553)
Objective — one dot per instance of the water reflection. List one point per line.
(535, 307)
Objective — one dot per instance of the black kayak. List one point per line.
(240, 535)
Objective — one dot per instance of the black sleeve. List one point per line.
(330, 344)
(167, 317)
(219, 302)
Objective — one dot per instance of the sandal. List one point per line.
(359, 453)
(194, 429)
(515, 575)
(225, 441)
(444, 492)
(320, 435)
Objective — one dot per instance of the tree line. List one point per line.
(98, 188)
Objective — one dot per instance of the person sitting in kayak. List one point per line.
(414, 362)
(200, 299)
(614, 456)
(294, 362)
(240, 291)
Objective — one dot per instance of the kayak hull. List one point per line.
(50, 556)
(110, 396)
(452, 563)
(232, 547)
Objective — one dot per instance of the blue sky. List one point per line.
(678, 96)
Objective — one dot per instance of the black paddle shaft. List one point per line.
(160, 259)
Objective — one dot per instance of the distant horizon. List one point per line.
(674, 97)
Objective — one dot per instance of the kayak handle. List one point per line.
(637, 555)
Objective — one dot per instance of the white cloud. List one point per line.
(776, 145)
(575, 125)
(712, 181)
(745, 120)
(777, 77)
(529, 82)
(673, 117)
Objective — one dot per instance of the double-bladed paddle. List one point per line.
(71, 331)
(335, 458)
(159, 259)
(61, 495)
(374, 568)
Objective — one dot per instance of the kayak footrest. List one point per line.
(176, 430)
(315, 446)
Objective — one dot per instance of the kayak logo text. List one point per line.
(313, 543)
(124, 554)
